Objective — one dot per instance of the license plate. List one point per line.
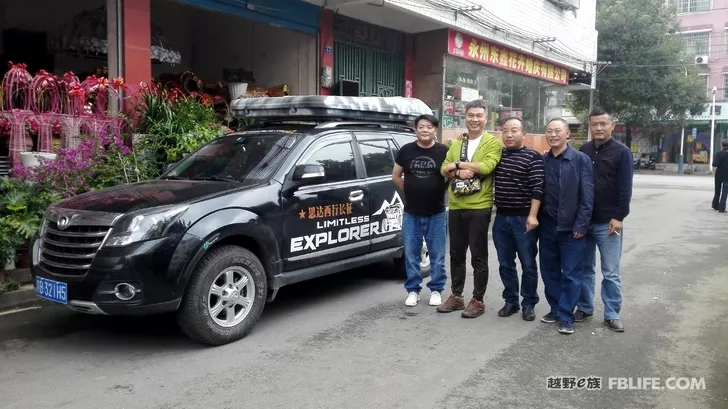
(51, 290)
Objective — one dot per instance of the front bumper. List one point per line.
(153, 267)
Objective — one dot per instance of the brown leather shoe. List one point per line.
(475, 309)
(453, 303)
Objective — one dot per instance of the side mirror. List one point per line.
(169, 166)
(308, 173)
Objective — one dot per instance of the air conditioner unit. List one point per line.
(701, 59)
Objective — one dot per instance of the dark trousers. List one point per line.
(469, 229)
(562, 268)
(720, 198)
(511, 240)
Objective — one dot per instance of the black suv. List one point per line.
(305, 193)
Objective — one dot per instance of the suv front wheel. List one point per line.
(225, 296)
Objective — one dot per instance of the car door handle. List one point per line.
(356, 195)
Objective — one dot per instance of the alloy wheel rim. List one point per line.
(231, 296)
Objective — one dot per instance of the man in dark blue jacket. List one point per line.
(613, 172)
(720, 163)
(565, 214)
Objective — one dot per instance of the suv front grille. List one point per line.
(70, 251)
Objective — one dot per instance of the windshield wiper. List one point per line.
(174, 178)
(217, 178)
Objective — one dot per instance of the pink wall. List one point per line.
(137, 42)
(717, 21)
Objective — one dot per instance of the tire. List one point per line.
(239, 280)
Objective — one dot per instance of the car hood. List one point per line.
(144, 195)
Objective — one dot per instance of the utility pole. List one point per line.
(712, 133)
(681, 161)
(592, 86)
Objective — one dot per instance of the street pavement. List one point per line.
(348, 341)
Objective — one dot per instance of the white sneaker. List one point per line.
(412, 299)
(435, 298)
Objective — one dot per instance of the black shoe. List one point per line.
(548, 318)
(528, 314)
(508, 310)
(614, 325)
(566, 328)
(580, 316)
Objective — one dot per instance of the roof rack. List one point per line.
(365, 124)
(380, 109)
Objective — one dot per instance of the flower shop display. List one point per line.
(62, 140)
(43, 113)
(86, 35)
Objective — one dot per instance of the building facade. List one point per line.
(704, 29)
(520, 56)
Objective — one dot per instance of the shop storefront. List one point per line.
(221, 49)
(512, 83)
(267, 46)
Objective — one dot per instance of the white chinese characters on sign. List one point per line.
(352, 229)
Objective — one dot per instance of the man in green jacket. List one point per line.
(469, 208)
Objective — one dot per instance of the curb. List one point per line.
(20, 276)
(23, 297)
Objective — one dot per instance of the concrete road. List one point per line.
(347, 341)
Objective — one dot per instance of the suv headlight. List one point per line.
(144, 225)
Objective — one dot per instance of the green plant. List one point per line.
(9, 243)
(8, 285)
(22, 207)
(173, 125)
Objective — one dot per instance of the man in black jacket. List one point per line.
(720, 162)
(613, 172)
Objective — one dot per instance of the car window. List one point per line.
(338, 161)
(404, 139)
(378, 159)
(246, 158)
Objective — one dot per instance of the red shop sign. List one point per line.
(484, 52)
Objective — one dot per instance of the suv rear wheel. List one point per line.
(225, 296)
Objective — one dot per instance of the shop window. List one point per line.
(338, 161)
(378, 159)
(506, 93)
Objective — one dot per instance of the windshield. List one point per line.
(246, 158)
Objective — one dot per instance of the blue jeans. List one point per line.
(562, 265)
(610, 250)
(511, 239)
(433, 230)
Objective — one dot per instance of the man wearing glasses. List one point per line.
(613, 171)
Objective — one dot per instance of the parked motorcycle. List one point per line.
(648, 163)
